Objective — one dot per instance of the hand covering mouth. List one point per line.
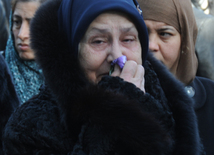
(119, 61)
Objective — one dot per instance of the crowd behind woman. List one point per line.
(88, 104)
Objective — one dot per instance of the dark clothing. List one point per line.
(205, 44)
(204, 107)
(4, 27)
(8, 97)
(114, 117)
(204, 88)
(73, 116)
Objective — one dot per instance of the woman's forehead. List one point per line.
(107, 18)
(105, 22)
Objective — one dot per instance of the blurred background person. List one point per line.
(204, 46)
(207, 6)
(172, 35)
(26, 75)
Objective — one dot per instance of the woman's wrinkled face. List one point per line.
(164, 43)
(108, 37)
(23, 13)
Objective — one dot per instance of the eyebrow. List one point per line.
(17, 16)
(165, 29)
(128, 29)
(104, 30)
(100, 30)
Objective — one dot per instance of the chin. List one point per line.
(26, 56)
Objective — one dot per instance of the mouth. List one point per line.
(23, 47)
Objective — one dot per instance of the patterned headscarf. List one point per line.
(26, 75)
(179, 14)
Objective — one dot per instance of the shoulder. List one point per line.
(30, 113)
(201, 83)
(202, 17)
(36, 109)
(37, 122)
(204, 91)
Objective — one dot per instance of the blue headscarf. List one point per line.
(74, 17)
(26, 75)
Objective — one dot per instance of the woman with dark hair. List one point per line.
(20, 57)
(102, 96)
(172, 36)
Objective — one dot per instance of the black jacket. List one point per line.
(204, 107)
(73, 116)
(8, 97)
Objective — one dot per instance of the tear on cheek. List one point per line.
(119, 61)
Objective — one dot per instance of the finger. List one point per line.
(116, 71)
(142, 87)
(140, 72)
(129, 70)
(139, 76)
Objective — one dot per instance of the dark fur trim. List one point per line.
(56, 61)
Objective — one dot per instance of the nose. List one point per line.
(24, 31)
(153, 43)
(115, 51)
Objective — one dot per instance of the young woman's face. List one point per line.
(23, 13)
(165, 43)
(108, 37)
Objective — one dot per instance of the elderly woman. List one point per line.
(101, 95)
(20, 57)
(172, 35)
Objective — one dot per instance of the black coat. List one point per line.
(114, 117)
(8, 97)
(204, 107)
